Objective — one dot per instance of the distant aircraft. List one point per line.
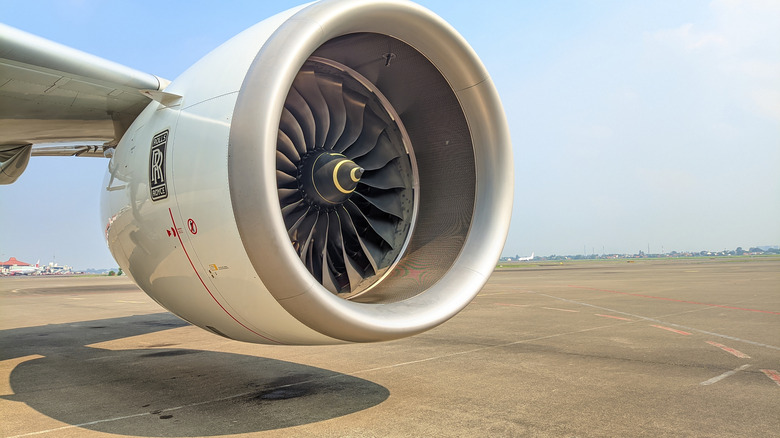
(340, 172)
(25, 270)
(526, 259)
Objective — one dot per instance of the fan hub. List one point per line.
(328, 179)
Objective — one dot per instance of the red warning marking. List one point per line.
(614, 317)
(191, 225)
(207, 288)
(737, 353)
(772, 374)
(675, 300)
(679, 332)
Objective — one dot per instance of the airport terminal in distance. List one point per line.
(13, 266)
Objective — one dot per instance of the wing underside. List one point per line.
(50, 93)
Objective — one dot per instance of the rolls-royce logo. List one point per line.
(157, 184)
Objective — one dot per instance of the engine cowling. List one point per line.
(340, 172)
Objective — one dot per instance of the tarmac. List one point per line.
(683, 347)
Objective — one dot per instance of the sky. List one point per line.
(635, 125)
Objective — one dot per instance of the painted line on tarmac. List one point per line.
(730, 350)
(679, 332)
(722, 306)
(720, 335)
(477, 350)
(614, 317)
(495, 293)
(561, 310)
(71, 426)
(724, 375)
(772, 374)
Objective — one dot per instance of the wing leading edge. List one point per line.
(51, 93)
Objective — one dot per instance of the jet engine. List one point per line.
(340, 172)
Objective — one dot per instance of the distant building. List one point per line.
(54, 268)
(12, 262)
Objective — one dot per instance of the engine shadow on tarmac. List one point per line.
(169, 392)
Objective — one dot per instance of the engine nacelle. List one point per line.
(340, 172)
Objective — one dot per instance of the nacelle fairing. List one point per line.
(340, 172)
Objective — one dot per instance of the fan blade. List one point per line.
(336, 261)
(309, 261)
(378, 157)
(286, 181)
(355, 269)
(306, 84)
(371, 255)
(285, 165)
(299, 108)
(288, 196)
(294, 214)
(387, 177)
(385, 230)
(388, 202)
(302, 235)
(355, 105)
(330, 87)
(328, 281)
(373, 126)
(286, 146)
(319, 245)
(289, 125)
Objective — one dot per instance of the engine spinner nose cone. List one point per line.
(329, 178)
(346, 175)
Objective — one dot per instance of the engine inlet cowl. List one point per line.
(372, 193)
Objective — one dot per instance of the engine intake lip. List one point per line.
(252, 166)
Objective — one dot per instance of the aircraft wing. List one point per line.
(51, 93)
